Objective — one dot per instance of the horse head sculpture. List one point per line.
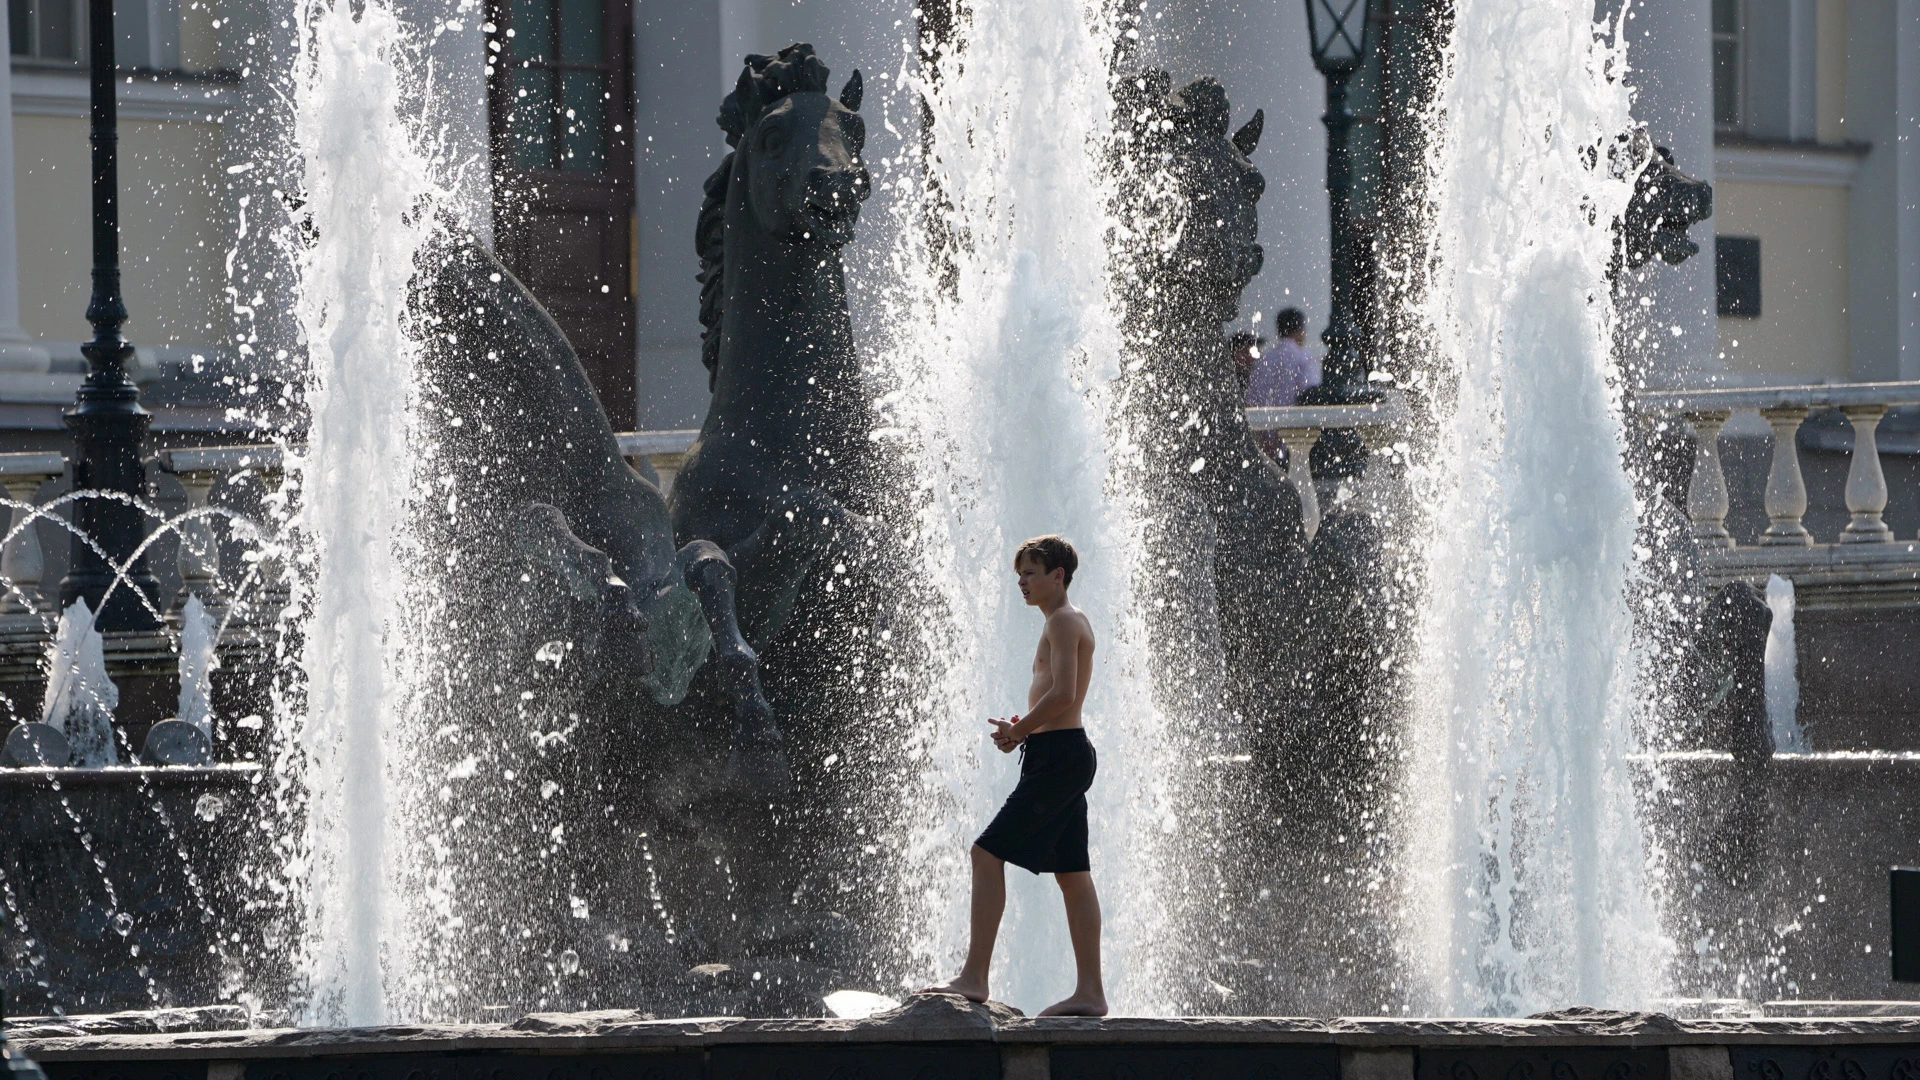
(798, 149)
(1194, 184)
(1666, 203)
(795, 168)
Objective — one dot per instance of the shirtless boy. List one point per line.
(1043, 826)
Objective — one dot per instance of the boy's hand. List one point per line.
(1003, 736)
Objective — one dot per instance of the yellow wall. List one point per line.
(1802, 328)
(173, 247)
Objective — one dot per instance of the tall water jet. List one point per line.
(1006, 349)
(1530, 882)
(369, 202)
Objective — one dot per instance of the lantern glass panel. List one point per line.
(1338, 29)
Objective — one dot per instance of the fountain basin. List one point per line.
(940, 1038)
(121, 885)
(1780, 867)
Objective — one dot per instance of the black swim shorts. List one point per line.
(1043, 826)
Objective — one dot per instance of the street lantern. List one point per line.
(107, 421)
(1340, 34)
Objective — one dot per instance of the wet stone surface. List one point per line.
(119, 888)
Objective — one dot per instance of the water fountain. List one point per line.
(502, 775)
(1015, 429)
(1525, 831)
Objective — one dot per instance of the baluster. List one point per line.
(1866, 484)
(1300, 443)
(1786, 488)
(667, 466)
(23, 563)
(1707, 490)
(199, 546)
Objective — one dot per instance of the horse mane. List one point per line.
(710, 241)
(764, 81)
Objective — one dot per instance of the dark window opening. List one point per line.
(1728, 90)
(560, 112)
(44, 29)
(561, 82)
(1736, 275)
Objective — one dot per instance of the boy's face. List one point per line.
(1037, 583)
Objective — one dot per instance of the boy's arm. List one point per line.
(1063, 664)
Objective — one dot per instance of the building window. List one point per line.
(1736, 275)
(45, 29)
(148, 32)
(560, 81)
(1728, 92)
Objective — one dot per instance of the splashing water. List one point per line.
(1007, 399)
(1782, 670)
(80, 697)
(197, 661)
(370, 197)
(1522, 832)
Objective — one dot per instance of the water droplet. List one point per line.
(569, 961)
(123, 924)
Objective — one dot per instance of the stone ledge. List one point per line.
(229, 775)
(929, 1022)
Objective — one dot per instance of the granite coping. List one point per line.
(947, 1020)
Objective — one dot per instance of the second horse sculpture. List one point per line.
(527, 448)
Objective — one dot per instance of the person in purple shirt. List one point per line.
(1287, 368)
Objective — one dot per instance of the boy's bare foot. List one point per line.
(1078, 1005)
(975, 992)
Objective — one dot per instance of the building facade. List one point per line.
(1816, 115)
(583, 130)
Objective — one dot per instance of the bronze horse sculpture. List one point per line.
(1191, 191)
(1275, 612)
(784, 469)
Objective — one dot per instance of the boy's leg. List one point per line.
(1089, 996)
(989, 902)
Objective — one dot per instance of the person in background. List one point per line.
(1245, 349)
(1287, 368)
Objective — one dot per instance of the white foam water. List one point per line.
(1007, 405)
(370, 196)
(1529, 882)
(80, 696)
(1781, 664)
(198, 635)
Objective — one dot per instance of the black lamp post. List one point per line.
(107, 421)
(1341, 33)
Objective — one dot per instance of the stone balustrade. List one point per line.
(1865, 553)
(1865, 563)
(21, 562)
(662, 452)
(1300, 427)
(199, 470)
